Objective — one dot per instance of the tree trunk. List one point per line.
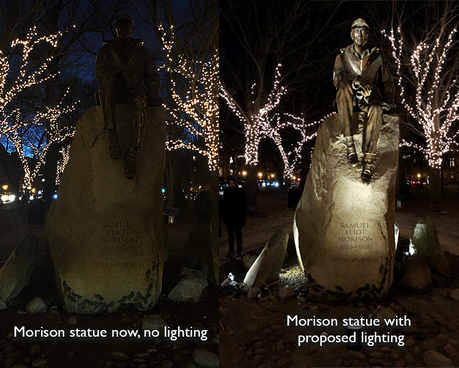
(178, 197)
(50, 172)
(436, 204)
(402, 188)
(214, 194)
(168, 179)
(251, 189)
(305, 163)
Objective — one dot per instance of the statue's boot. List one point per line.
(113, 144)
(350, 149)
(367, 167)
(130, 168)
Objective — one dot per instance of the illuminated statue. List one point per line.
(362, 81)
(126, 74)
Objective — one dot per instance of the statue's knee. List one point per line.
(376, 108)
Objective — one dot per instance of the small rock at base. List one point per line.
(449, 351)
(36, 306)
(187, 365)
(454, 294)
(356, 354)
(153, 322)
(72, 320)
(435, 359)
(282, 362)
(285, 293)
(119, 355)
(206, 358)
(385, 313)
(34, 350)
(166, 364)
(39, 362)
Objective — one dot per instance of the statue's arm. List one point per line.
(339, 71)
(103, 66)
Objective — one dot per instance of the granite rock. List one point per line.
(105, 232)
(267, 266)
(16, 272)
(417, 273)
(424, 244)
(191, 288)
(344, 229)
(37, 305)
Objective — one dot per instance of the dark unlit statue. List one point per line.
(126, 74)
(362, 81)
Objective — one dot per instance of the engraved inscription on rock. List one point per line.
(119, 243)
(118, 236)
(355, 236)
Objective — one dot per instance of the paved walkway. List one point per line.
(274, 214)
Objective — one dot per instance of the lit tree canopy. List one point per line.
(292, 157)
(430, 74)
(194, 88)
(257, 121)
(29, 131)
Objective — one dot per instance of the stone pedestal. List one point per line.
(344, 229)
(105, 232)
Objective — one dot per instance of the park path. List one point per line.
(274, 214)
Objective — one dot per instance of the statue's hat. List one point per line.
(359, 23)
(124, 18)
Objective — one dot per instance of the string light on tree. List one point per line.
(293, 157)
(31, 132)
(432, 71)
(194, 86)
(64, 155)
(256, 124)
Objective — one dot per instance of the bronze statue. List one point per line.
(362, 81)
(126, 74)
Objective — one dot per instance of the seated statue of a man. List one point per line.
(126, 74)
(362, 81)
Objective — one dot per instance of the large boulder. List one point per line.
(105, 232)
(267, 266)
(425, 245)
(192, 288)
(344, 229)
(16, 272)
(416, 274)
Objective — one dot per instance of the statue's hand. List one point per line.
(131, 80)
(362, 90)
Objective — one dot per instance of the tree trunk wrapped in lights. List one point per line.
(30, 132)
(428, 79)
(194, 86)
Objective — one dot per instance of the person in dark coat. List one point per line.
(234, 212)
